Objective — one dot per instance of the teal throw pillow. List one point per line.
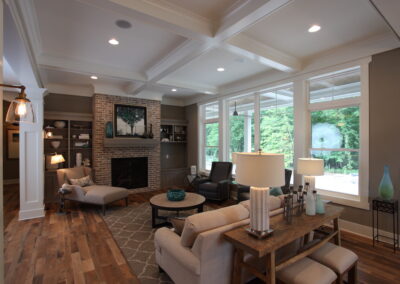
(275, 191)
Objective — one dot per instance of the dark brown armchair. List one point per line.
(216, 186)
(243, 192)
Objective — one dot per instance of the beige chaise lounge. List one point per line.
(92, 194)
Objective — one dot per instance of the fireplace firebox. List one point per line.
(129, 172)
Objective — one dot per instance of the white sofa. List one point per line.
(201, 255)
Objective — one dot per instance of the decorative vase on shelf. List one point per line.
(55, 144)
(78, 159)
(59, 124)
(109, 130)
(386, 186)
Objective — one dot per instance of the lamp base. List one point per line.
(259, 234)
(311, 182)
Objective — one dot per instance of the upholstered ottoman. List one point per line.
(339, 259)
(306, 271)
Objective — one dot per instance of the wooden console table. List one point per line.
(283, 234)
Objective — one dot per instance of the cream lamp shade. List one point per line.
(56, 159)
(259, 169)
(310, 167)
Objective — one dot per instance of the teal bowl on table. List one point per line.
(176, 194)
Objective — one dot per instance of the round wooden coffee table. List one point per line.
(160, 201)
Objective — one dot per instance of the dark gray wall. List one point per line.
(172, 112)
(384, 129)
(67, 103)
(10, 166)
(192, 132)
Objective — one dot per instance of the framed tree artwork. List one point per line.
(130, 121)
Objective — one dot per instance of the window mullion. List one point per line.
(257, 121)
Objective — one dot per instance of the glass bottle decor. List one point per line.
(320, 206)
(386, 185)
(310, 203)
(109, 130)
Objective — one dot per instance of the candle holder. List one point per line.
(288, 208)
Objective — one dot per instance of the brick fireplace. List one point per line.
(103, 110)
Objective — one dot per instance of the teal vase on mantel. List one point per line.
(386, 186)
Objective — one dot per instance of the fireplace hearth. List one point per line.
(129, 173)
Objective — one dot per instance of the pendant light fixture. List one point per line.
(235, 113)
(21, 108)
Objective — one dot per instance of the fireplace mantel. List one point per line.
(130, 142)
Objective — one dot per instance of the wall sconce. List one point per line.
(21, 108)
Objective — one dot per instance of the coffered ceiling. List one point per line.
(172, 48)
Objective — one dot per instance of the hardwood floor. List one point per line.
(78, 248)
(10, 202)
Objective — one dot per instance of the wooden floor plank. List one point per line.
(79, 248)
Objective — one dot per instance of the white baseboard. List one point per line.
(361, 230)
(31, 214)
(11, 181)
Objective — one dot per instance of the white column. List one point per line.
(31, 168)
(223, 128)
(301, 125)
(1, 150)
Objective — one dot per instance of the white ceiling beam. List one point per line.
(83, 91)
(236, 21)
(248, 47)
(87, 68)
(201, 88)
(389, 11)
(177, 58)
(172, 17)
(18, 45)
(132, 87)
(245, 15)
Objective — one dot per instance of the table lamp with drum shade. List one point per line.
(260, 171)
(57, 159)
(310, 167)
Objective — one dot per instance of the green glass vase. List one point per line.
(386, 186)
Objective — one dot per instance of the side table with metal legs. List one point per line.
(388, 207)
(62, 192)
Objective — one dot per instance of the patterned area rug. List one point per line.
(131, 228)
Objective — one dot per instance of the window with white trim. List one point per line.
(276, 122)
(334, 107)
(211, 135)
(241, 124)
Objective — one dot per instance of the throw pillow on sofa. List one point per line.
(82, 182)
(177, 224)
(275, 191)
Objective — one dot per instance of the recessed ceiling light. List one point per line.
(220, 69)
(174, 90)
(94, 77)
(123, 24)
(208, 92)
(113, 41)
(314, 28)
